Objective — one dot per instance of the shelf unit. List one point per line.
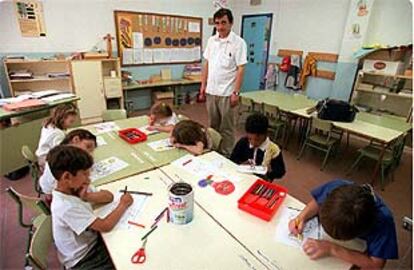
(40, 80)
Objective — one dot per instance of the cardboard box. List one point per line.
(383, 67)
(167, 97)
(387, 55)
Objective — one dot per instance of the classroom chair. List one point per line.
(34, 168)
(112, 115)
(215, 137)
(322, 136)
(277, 121)
(35, 205)
(246, 106)
(389, 162)
(42, 239)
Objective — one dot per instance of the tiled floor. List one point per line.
(301, 176)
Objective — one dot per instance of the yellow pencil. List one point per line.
(299, 236)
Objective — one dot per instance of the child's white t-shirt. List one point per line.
(49, 138)
(169, 121)
(47, 181)
(71, 218)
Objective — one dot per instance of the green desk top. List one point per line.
(392, 122)
(9, 114)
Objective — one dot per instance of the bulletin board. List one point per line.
(153, 38)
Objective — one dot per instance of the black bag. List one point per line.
(336, 110)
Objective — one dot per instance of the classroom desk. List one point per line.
(27, 133)
(252, 232)
(200, 244)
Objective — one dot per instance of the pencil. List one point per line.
(136, 224)
(136, 192)
(125, 190)
(300, 236)
(148, 233)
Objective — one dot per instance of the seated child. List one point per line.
(79, 137)
(75, 225)
(257, 149)
(347, 211)
(162, 118)
(61, 118)
(190, 136)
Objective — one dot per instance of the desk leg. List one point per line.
(378, 165)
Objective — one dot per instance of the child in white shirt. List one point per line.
(162, 118)
(79, 137)
(62, 117)
(74, 223)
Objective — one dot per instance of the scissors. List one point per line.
(139, 256)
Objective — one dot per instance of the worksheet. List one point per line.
(312, 228)
(106, 167)
(161, 145)
(105, 127)
(132, 214)
(252, 169)
(145, 130)
(100, 141)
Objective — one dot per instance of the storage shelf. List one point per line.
(388, 75)
(39, 79)
(385, 93)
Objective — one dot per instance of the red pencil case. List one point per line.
(132, 135)
(262, 199)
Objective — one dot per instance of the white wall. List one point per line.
(391, 23)
(77, 25)
(309, 25)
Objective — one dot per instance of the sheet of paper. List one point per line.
(131, 214)
(100, 141)
(194, 27)
(145, 130)
(105, 127)
(138, 56)
(161, 145)
(127, 56)
(107, 167)
(262, 170)
(58, 97)
(138, 40)
(148, 56)
(312, 229)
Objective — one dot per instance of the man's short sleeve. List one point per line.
(206, 53)
(241, 54)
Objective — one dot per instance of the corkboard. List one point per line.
(152, 38)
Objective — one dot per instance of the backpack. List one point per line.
(336, 110)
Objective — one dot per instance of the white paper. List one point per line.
(44, 93)
(145, 130)
(148, 56)
(105, 127)
(138, 40)
(58, 97)
(138, 56)
(312, 228)
(127, 56)
(161, 145)
(107, 167)
(100, 141)
(194, 27)
(262, 170)
(131, 214)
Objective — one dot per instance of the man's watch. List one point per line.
(236, 93)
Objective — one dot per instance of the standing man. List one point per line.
(225, 57)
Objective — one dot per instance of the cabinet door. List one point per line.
(87, 77)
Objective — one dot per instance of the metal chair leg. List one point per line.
(302, 150)
(354, 165)
(326, 158)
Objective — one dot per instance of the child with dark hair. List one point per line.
(81, 138)
(53, 130)
(347, 211)
(257, 149)
(75, 225)
(162, 118)
(190, 136)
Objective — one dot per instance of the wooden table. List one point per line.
(200, 244)
(252, 232)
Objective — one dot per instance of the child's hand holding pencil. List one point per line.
(296, 227)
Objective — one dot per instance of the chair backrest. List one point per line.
(34, 167)
(112, 115)
(35, 205)
(215, 137)
(270, 111)
(40, 244)
(323, 125)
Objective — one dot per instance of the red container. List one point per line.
(132, 135)
(262, 199)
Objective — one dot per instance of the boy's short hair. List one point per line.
(349, 211)
(189, 132)
(67, 158)
(223, 12)
(257, 123)
(82, 134)
(161, 109)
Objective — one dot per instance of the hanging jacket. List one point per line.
(309, 69)
(293, 75)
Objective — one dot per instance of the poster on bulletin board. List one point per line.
(152, 38)
(29, 15)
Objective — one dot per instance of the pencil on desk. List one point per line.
(136, 192)
(135, 224)
(125, 190)
(300, 236)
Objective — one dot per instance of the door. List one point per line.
(256, 31)
(87, 78)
